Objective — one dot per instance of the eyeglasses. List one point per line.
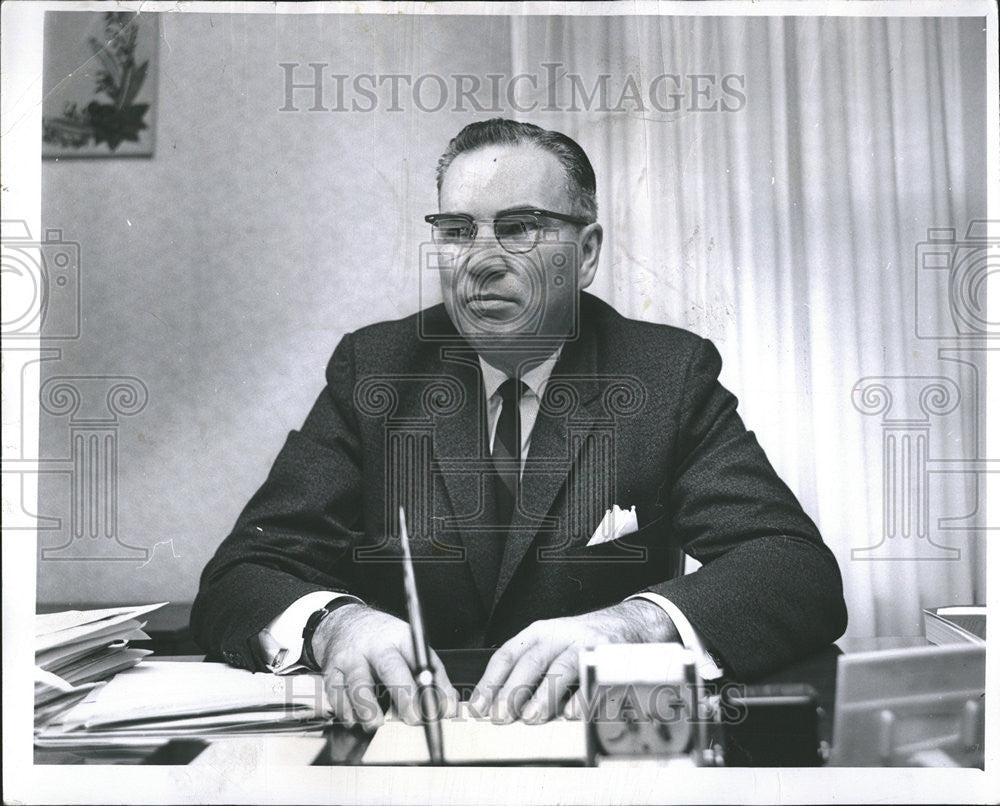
(517, 231)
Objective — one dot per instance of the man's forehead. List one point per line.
(499, 177)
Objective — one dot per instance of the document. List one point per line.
(53, 659)
(165, 699)
(58, 629)
(478, 740)
(77, 649)
(955, 625)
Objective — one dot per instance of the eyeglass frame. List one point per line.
(526, 211)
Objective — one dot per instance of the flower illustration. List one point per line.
(120, 79)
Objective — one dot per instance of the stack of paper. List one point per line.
(955, 625)
(77, 649)
(158, 701)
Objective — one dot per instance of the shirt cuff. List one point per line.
(707, 667)
(281, 640)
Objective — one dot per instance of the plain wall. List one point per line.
(223, 271)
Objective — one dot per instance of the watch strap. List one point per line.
(313, 622)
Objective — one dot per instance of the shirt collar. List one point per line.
(536, 378)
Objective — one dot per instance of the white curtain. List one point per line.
(786, 231)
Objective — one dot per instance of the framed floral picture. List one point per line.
(99, 84)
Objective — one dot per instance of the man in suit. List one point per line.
(508, 422)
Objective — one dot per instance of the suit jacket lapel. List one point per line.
(463, 465)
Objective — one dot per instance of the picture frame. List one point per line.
(99, 85)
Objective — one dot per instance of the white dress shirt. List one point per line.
(535, 380)
(281, 640)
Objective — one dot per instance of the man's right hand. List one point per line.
(356, 646)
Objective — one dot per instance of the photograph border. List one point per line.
(24, 782)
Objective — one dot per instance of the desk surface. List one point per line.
(465, 667)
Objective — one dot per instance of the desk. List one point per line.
(465, 667)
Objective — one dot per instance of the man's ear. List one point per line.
(591, 238)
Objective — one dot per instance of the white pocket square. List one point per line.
(616, 523)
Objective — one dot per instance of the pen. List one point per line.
(427, 697)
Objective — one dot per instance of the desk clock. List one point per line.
(641, 701)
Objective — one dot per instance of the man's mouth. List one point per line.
(488, 291)
(493, 306)
(491, 297)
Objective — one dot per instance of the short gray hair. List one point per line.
(498, 131)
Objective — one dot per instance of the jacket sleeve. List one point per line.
(297, 533)
(769, 590)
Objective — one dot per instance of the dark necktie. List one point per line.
(507, 450)
(506, 472)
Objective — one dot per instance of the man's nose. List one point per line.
(485, 237)
(484, 254)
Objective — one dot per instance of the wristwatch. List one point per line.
(314, 621)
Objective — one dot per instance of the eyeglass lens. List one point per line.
(514, 232)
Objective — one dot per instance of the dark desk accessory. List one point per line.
(175, 752)
(465, 668)
(773, 725)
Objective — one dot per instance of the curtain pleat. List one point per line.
(787, 231)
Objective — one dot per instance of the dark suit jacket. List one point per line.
(633, 415)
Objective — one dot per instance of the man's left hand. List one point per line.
(530, 676)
